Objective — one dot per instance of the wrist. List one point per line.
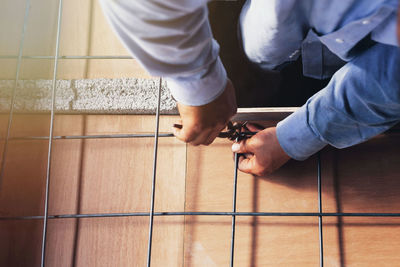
(199, 89)
(296, 137)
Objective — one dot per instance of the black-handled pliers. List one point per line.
(234, 131)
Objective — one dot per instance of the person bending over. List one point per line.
(352, 42)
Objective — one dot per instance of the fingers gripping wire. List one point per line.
(234, 131)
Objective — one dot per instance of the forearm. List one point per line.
(171, 39)
(361, 101)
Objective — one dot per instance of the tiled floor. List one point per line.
(114, 175)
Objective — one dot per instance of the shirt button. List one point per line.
(294, 53)
(338, 40)
(365, 22)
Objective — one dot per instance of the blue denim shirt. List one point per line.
(353, 40)
(361, 100)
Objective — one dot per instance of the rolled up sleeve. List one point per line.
(362, 100)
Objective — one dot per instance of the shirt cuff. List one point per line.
(296, 137)
(199, 90)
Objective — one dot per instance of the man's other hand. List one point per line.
(262, 153)
(202, 124)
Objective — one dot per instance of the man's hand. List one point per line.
(202, 124)
(262, 153)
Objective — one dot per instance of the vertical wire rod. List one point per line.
(321, 243)
(234, 209)
(53, 100)
(153, 185)
(14, 93)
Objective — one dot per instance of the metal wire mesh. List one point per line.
(14, 93)
(45, 217)
(50, 149)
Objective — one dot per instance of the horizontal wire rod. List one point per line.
(68, 57)
(201, 213)
(101, 136)
(96, 136)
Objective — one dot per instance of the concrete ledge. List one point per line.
(110, 96)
